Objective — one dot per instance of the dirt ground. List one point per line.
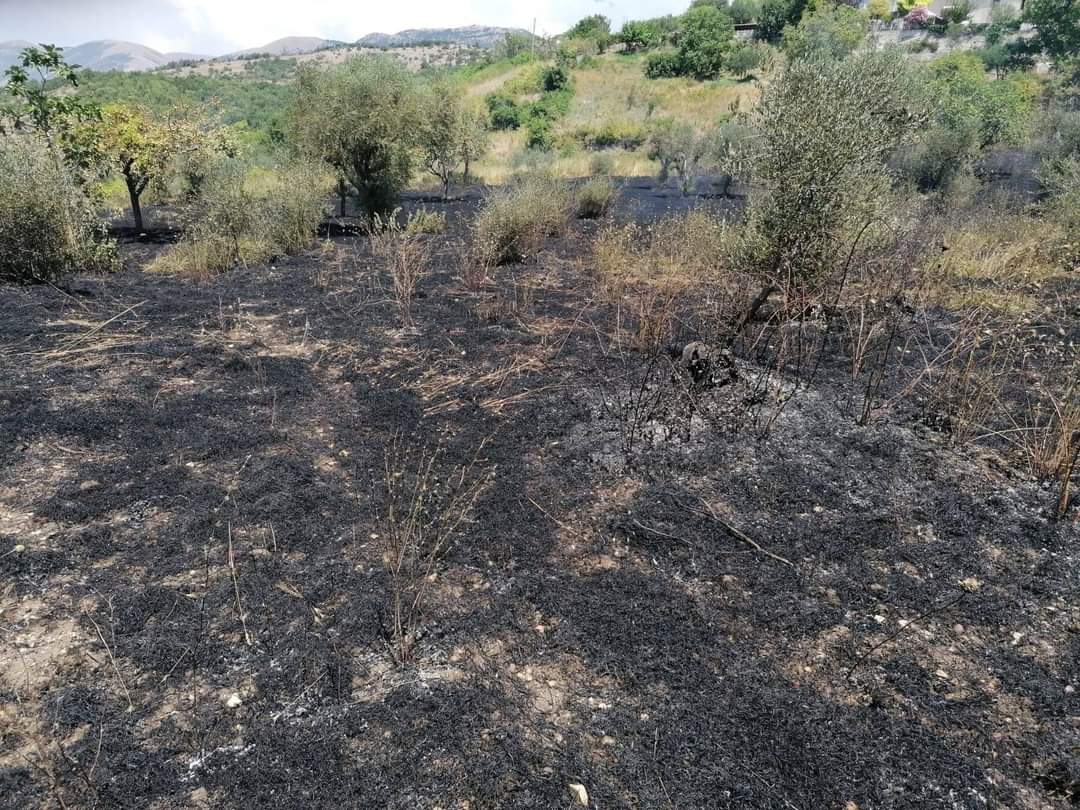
(907, 634)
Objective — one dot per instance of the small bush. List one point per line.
(514, 221)
(230, 224)
(48, 227)
(539, 135)
(407, 255)
(664, 65)
(612, 135)
(745, 59)
(426, 222)
(503, 111)
(550, 106)
(554, 79)
(602, 164)
(596, 197)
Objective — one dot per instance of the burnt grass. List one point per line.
(591, 624)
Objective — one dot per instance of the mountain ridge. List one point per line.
(120, 55)
(482, 36)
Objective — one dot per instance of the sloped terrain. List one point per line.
(196, 612)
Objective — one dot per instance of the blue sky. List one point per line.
(217, 26)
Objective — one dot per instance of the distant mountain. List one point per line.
(111, 54)
(480, 36)
(286, 46)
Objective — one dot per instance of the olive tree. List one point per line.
(682, 150)
(823, 133)
(831, 30)
(970, 113)
(450, 134)
(361, 117)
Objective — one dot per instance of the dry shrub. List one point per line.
(48, 226)
(426, 222)
(676, 251)
(514, 221)
(230, 224)
(425, 503)
(966, 382)
(647, 271)
(407, 254)
(595, 197)
(1047, 433)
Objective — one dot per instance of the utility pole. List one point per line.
(534, 38)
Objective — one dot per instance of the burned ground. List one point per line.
(597, 622)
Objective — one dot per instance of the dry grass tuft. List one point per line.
(514, 221)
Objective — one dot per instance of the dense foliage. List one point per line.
(361, 117)
(49, 226)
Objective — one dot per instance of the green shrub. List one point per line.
(503, 111)
(554, 79)
(539, 135)
(1061, 178)
(602, 164)
(596, 197)
(48, 227)
(231, 224)
(550, 106)
(515, 220)
(611, 135)
(745, 59)
(665, 65)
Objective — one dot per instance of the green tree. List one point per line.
(970, 113)
(596, 28)
(775, 16)
(450, 135)
(744, 11)
(640, 36)
(1057, 27)
(361, 117)
(682, 150)
(879, 10)
(707, 36)
(475, 139)
(823, 133)
(830, 30)
(144, 147)
(57, 116)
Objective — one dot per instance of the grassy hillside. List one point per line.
(611, 92)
